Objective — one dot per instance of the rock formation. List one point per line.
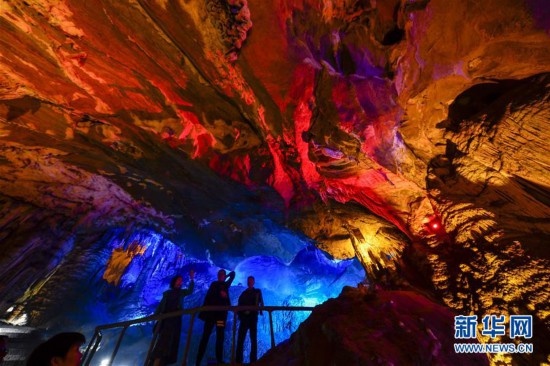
(373, 328)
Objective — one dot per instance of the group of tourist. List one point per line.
(165, 350)
(64, 349)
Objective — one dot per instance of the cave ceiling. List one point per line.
(361, 124)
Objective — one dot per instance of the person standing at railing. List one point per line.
(248, 320)
(217, 295)
(165, 351)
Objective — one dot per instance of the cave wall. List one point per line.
(358, 123)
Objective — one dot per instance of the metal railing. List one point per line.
(97, 337)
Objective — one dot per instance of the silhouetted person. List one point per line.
(248, 320)
(165, 351)
(62, 349)
(217, 295)
(3, 347)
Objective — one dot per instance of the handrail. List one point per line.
(97, 337)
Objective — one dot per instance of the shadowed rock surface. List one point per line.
(374, 328)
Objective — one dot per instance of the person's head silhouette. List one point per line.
(62, 349)
(222, 275)
(176, 282)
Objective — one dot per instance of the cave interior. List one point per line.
(386, 161)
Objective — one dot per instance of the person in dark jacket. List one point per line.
(248, 320)
(217, 295)
(165, 351)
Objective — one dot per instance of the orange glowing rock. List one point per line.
(120, 260)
